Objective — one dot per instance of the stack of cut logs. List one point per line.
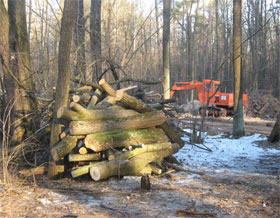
(114, 135)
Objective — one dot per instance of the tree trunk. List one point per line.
(238, 122)
(63, 82)
(79, 39)
(121, 138)
(144, 120)
(5, 54)
(25, 103)
(95, 37)
(166, 48)
(275, 133)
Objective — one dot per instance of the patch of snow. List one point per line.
(44, 201)
(239, 154)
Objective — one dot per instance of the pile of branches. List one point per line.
(263, 104)
(111, 133)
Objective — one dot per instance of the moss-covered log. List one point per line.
(94, 99)
(132, 167)
(84, 157)
(138, 121)
(141, 107)
(82, 113)
(120, 138)
(62, 148)
(85, 169)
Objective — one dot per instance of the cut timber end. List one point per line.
(83, 150)
(107, 87)
(95, 174)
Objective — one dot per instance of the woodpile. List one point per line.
(112, 133)
(263, 104)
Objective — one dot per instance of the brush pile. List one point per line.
(112, 133)
(263, 104)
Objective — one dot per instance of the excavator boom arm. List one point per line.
(185, 86)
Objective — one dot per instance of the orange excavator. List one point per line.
(220, 104)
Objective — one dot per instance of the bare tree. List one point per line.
(95, 36)
(79, 39)
(238, 122)
(25, 102)
(166, 48)
(63, 81)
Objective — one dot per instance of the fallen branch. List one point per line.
(191, 212)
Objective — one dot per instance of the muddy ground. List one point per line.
(227, 192)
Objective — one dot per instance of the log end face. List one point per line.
(60, 112)
(119, 95)
(95, 174)
(54, 154)
(101, 82)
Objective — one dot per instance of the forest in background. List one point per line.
(131, 37)
(42, 46)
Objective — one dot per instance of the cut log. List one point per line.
(81, 98)
(264, 109)
(94, 99)
(66, 114)
(107, 102)
(141, 107)
(132, 167)
(83, 150)
(85, 169)
(121, 138)
(62, 148)
(84, 157)
(155, 170)
(138, 121)
(82, 113)
(107, 87)
(33, 171)
(64, 134)
(132, 102)
(81, 89)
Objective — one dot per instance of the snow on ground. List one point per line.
(238, 154)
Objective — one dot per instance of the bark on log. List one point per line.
(94, 99)
(107, 87)
(85, 98)
(133, 167)
(121, 138)
(263, 109)
(84, 157)
(33, 171)
(81, 89)
(61, 149)
(141, 107)
(138, 121)
(85, 169)
(66, 114)
(107, 102)
(82, 113)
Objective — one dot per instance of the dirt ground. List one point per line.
(225, 192)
